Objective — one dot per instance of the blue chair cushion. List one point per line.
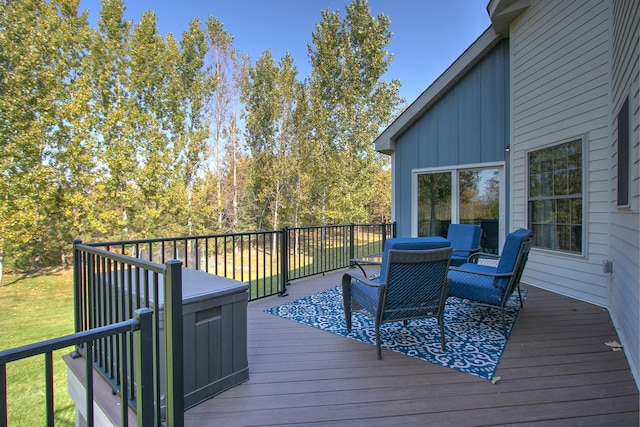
(510, 249)
(475, 287)
(464, 239)
(460, 258)
(464, 236)
(410, 243)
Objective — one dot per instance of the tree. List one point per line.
(229, 71)
(350, 103)
(147, 122)
(269, 97)
(189, 95)
(45, 159)
(117, 132)
(110, 58)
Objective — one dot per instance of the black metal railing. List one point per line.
(112, 280)
(108, 288)
(318, 250)
(135, 333)
(266, 260)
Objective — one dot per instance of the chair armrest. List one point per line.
(360, 278)
(467, 252)
(492, 258)
(375, 259)
(482, 273)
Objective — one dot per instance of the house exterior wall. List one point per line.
(572, 65)
(625, 221)
(560, 52)
(468, 125)
(568, 66)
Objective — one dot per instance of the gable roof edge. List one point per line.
(503, 12)
(385, 142)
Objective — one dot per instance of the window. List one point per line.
(434, 203)
(467, 196)
(623, 154)
(555, 196)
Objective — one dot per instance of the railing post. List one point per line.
(77, 282)
(173, 344)
(88, 372)
(384, 234)
(48, 380)
(284, 260)
(352, 230)
(90, 302)
(4, 413)
(143, 339)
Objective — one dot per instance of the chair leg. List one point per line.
(347, 314)
(346, 300)
(519, 295)
(378, 349)
(441, 323)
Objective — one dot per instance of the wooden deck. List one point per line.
(556, 370)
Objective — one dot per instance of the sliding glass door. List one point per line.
(466, 196)
(434, 203)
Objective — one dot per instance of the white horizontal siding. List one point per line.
(625, 223)
(548, 268)
(560, 59)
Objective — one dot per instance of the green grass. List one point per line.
(36, 308)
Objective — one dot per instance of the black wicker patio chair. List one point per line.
(413, 285)
(490, 280)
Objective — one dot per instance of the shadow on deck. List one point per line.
(555, 370)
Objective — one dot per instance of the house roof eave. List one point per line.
(503, 12)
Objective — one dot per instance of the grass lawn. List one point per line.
(36, 307)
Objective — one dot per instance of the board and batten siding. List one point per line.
(560, 56)
(625, 220)
(467, 125)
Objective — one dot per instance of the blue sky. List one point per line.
(428, 35)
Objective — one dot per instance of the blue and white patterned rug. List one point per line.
(473, 333)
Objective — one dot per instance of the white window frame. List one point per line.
(455, 212)
(585, 201)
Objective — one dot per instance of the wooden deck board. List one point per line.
(556, 370)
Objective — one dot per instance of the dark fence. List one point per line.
(136, 332)
(266, 260)
(115, 282)
(108, 288)
(317, 250)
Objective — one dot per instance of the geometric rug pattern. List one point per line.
(474, 336)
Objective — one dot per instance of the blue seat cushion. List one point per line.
(410, 243)
(475, 287)
(459, 259)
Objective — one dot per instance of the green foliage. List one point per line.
(270, 100)
(42, 95)
(118, 132)
(349, 105)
